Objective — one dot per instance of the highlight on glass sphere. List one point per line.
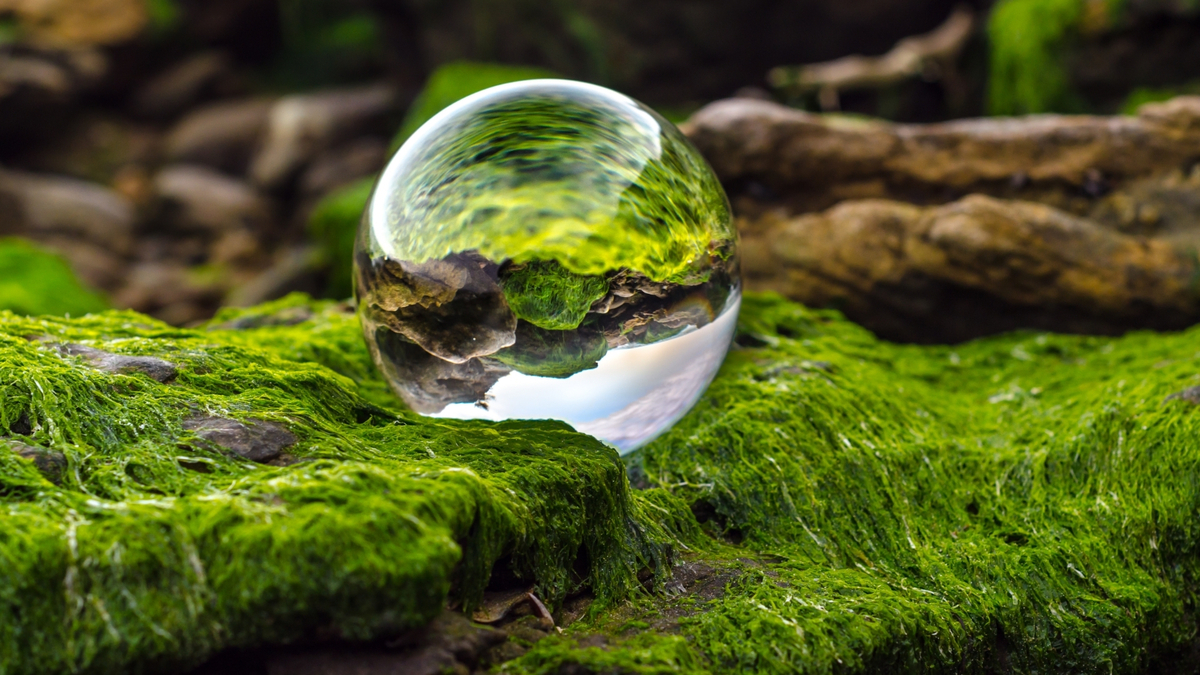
(549, 249)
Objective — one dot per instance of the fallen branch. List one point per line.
(930, 55)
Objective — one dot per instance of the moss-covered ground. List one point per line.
(1026, 503)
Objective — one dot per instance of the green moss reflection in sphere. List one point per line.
(549, 249)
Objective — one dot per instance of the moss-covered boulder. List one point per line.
(833, 504)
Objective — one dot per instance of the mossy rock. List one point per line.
(34, 281)
(1027, 502)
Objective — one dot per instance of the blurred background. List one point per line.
(174, 156)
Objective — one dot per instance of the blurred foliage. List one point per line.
(325, 42)
(333, 225)
(457, 80)
(1143, 95)
(164, 15)
(1027, 39)
(10, 31)
(34, 281)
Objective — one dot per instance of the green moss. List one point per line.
(1143, 95)
(1026, 503)
(156, 551)
(553, 353)
(549, 296)
(333, 226)
(457, 80)
(34, 281)
(1027, 38)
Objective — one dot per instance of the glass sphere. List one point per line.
(549, 249)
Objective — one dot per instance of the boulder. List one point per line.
(182, 84)
(197, 198)
(303, 125)
(220, 135)
(41, 205)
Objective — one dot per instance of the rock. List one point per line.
(80, 22)
(42, 205)
(197, 198)
(295, 269)
(120, 364)
(255, 440)
(1190, 395)
(166, 290)
(221, 135)
(301, 126)
(453, 308)
(49, 463)
(343, 165)
(815, 160)
(427, 383)
(182, 84)
(972, 267)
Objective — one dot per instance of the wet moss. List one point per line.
(833, 503)
(1023, 503)
(157, 551)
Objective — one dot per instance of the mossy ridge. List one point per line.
(1028, 501)
(383, 516)
(902, 507)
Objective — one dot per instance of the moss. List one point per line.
(333, 226)
(1024, 503)
(549, 296)
(1143, 95)
(1027, 38)
(553, 353)
(457, 80)
(34, 281)
(157, 551)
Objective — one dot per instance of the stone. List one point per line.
(816, 160)
(79, 22)
(303, 125)
(255, 440)
(197, 198)
(154, 368)
(972, 267)
(220, 135)
(343, 165)
(49, 463)
(182, 84)
(44, 205)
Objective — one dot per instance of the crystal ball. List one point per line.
(549, 249)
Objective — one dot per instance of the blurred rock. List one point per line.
(181, 85)
(41, 205)
(96, 147)
(304, 125)
(344, 165)
(95, 264)
(79, 22)
(39, 86)
(169, 292)
(194, 197)
(294, 269)
(222, 135)
(972, 267)
(816, 160)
